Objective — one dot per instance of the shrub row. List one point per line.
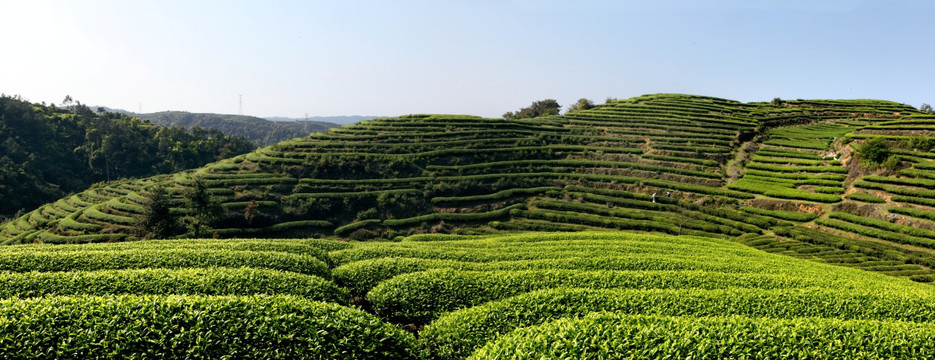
(157, 258)
(865, 197)
(883, 225)
(94, 213)
(718, 214)
(874, 232)
(457, 334)
(788, 153)
(191, 281)
(362, 276)
(778, 189)
(453, 216)
(609, 335)
(686, 219)
(795, 169)
(617, 164)
(574, 217)
(923, 183)
(795, 176)
(313, 247)
(781, 214)
(504, 194)
(420, 297)
(194, 327)
(533, 246)
(922, 214)
(785, 160)
(344, 230)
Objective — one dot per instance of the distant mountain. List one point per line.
(343, 120)
(260, 131)
(111, 110)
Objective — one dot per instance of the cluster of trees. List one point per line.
(875, 153)
(202, 210)
(548, 107)
(47, 152)
(537, 109)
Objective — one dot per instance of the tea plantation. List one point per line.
(639, 228)
(555, 295)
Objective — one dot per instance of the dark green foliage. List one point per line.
(190, 281)
(458, 334)
(203, 210)
(645, 337)
(873, 151)
(420, 297)
(582, 104)
(194, 327)
(158, 221)
(867, 198)
(920, 143)
(537, 109)
(160, 258)
(781, 214)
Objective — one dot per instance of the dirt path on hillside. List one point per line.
(734, 167)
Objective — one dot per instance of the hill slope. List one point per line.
(777, 176)
(260, 131)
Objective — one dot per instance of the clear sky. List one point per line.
(479, 57)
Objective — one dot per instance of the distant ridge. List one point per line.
(343, 120)
(260, 131)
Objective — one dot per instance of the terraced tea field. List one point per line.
(458, 296)
(656, 163)
(494, 250)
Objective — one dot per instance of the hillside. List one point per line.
(593, 295)
(779, 176)
(260, 131)
(48, 152)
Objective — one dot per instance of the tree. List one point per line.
(537, 109)
(873, 152)
(582, 104)
(926, 108)
(777, 101)
(203, 210)
(158, 221)
(251, 211)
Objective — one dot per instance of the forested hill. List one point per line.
(260, 131)
(48, 152)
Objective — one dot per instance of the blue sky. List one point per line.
(480, 57)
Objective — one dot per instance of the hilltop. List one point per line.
(783, 176)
